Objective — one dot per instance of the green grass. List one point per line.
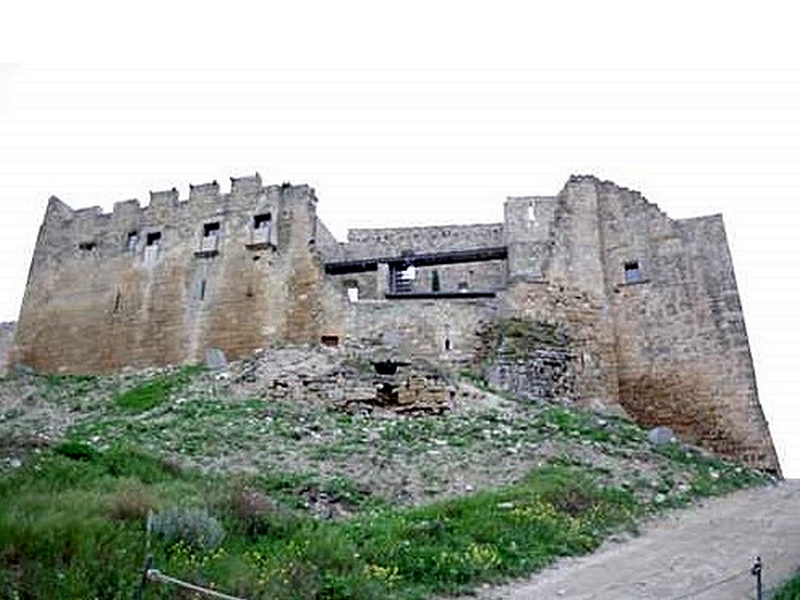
(72, 517)
(156, 390)
(790, 590)
(71, 525)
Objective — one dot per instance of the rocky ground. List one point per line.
(316, 413)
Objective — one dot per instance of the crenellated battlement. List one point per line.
(164, 205)
(204, 190)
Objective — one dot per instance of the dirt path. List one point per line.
(704, 553)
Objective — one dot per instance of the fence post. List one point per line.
(756, 572)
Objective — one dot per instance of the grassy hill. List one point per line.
(262, 483)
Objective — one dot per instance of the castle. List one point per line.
(592, 295)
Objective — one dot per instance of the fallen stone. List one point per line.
(215, 359)
(660, 436)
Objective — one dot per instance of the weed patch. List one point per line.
(155, 391)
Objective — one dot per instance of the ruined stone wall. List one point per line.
(582, 317)
(557, 277)
(651, 307)
(325, 244)
(373, 243)
(6, 343)
(682, 349)
(529, 232)
(104, 293)
(436, 329)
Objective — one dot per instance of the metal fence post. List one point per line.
(756, 572)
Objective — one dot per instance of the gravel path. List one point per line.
(704, 553)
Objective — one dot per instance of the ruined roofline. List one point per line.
(609, 186)
(240, 186)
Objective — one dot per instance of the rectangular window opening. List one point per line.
(201, 293)
(262, 221)
(632, 272)
(211, 229)
(329, 340)
(87, 246)
(154, 238)
(436, 284)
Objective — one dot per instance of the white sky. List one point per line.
(422, 113)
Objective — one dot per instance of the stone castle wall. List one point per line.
(160, 284)
(648, 306)
(364, 243)
(429, 328)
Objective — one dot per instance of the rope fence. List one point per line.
(755, 571)
(156, 575)
(151, 574)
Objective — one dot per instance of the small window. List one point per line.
(201, 290)
(133, 240)
(436, 285)
(329, 340)
(211, 229)
(463, 286)
(154, 238)
(632, 272)
(262, 221)
(88, 246)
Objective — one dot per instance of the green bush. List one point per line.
(192, 526)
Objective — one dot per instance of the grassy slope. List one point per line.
(72, 517)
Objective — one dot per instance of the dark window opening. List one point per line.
(211, 229)
(153, 238)
(447, 343)
(463, 286)
(632, 272)
(88, 246)
(435, 283)
(262, 221)
(118, 302)
(201, 293)
(329, 340)
(133, 240)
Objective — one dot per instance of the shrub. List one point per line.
(193, 526)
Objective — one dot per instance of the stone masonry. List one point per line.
(602, 298)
